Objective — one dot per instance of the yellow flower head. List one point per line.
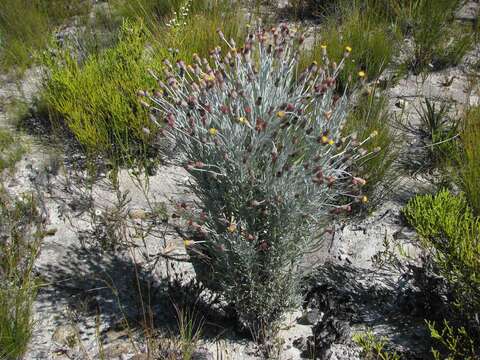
(361, 74)
(348, 49)
(209, 77)
(281, 114)
(374, 133)
(232, 228)
(364, 199)
(323, 46)
(325, 139)
(213, 131)
(187, 242)
(331, 142)
(242, 120)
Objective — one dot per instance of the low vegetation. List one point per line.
(20, 233)
(373, 347)
(278, 138)
(19, 40)
(449, 229)
(11, 151)
(369, 39)
(369, 115)
(96, 101)
(467, 162)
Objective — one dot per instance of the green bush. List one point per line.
(96, 101)
(448, 227)
(269, 165)
(20, 233)
(371, 114)
(373, 347)
(454, 343)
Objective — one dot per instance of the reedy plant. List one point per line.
(467, 159)
(268, 162)
(21, 231)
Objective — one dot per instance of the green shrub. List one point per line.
(467, 166)
(20, 233)
(268, 163)
(373, 348)
(96, 100)
(448, 227)
(25, 26)
(371, 114)
(454, 343)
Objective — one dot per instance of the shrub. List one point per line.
(455, 343)
(268, 164)
(96, 101)
(448, 227)
(20, 233)
(467, 165)
(373, 348)
(371, 114)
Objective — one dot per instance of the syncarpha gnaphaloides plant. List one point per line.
(262, 143)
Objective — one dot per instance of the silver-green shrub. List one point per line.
(262, 142)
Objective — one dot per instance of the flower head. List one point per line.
(232, 228)
(348, 49)
(212, 131)
(281, 114)
(242, 120)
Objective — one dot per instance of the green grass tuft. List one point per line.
(26, 25)
(370, 40)
(19, 244)
(371, 115)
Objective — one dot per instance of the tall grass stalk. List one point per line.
(20, 235)
(468, 159)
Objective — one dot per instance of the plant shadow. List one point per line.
(126, 296)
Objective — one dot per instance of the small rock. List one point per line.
(311, 317)
(401, 104)
(65, 335)
(202, 354)
(138, 214)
